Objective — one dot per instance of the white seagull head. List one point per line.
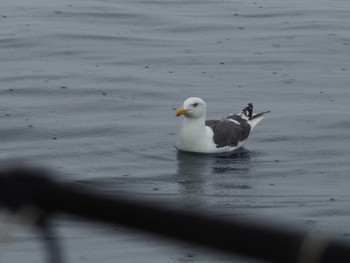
(192, 108)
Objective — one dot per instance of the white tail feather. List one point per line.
(256, 118)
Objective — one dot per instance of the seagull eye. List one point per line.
(195, 105)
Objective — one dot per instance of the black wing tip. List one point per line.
(248, 110)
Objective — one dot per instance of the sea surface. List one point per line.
(88, 90)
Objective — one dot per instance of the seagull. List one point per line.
(214, 136)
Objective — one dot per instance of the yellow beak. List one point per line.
(181, 111)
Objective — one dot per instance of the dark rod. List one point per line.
(271, 243)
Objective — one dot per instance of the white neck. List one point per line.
(194, 135)
(194, 123)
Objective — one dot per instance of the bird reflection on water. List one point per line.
(199, 174)
(211, 164)
(237, 162)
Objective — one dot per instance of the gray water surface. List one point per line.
(88, 89)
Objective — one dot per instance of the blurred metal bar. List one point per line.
(275, 244)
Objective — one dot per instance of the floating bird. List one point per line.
(214, 136)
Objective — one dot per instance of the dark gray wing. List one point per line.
(229, 131)
(211, 123)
